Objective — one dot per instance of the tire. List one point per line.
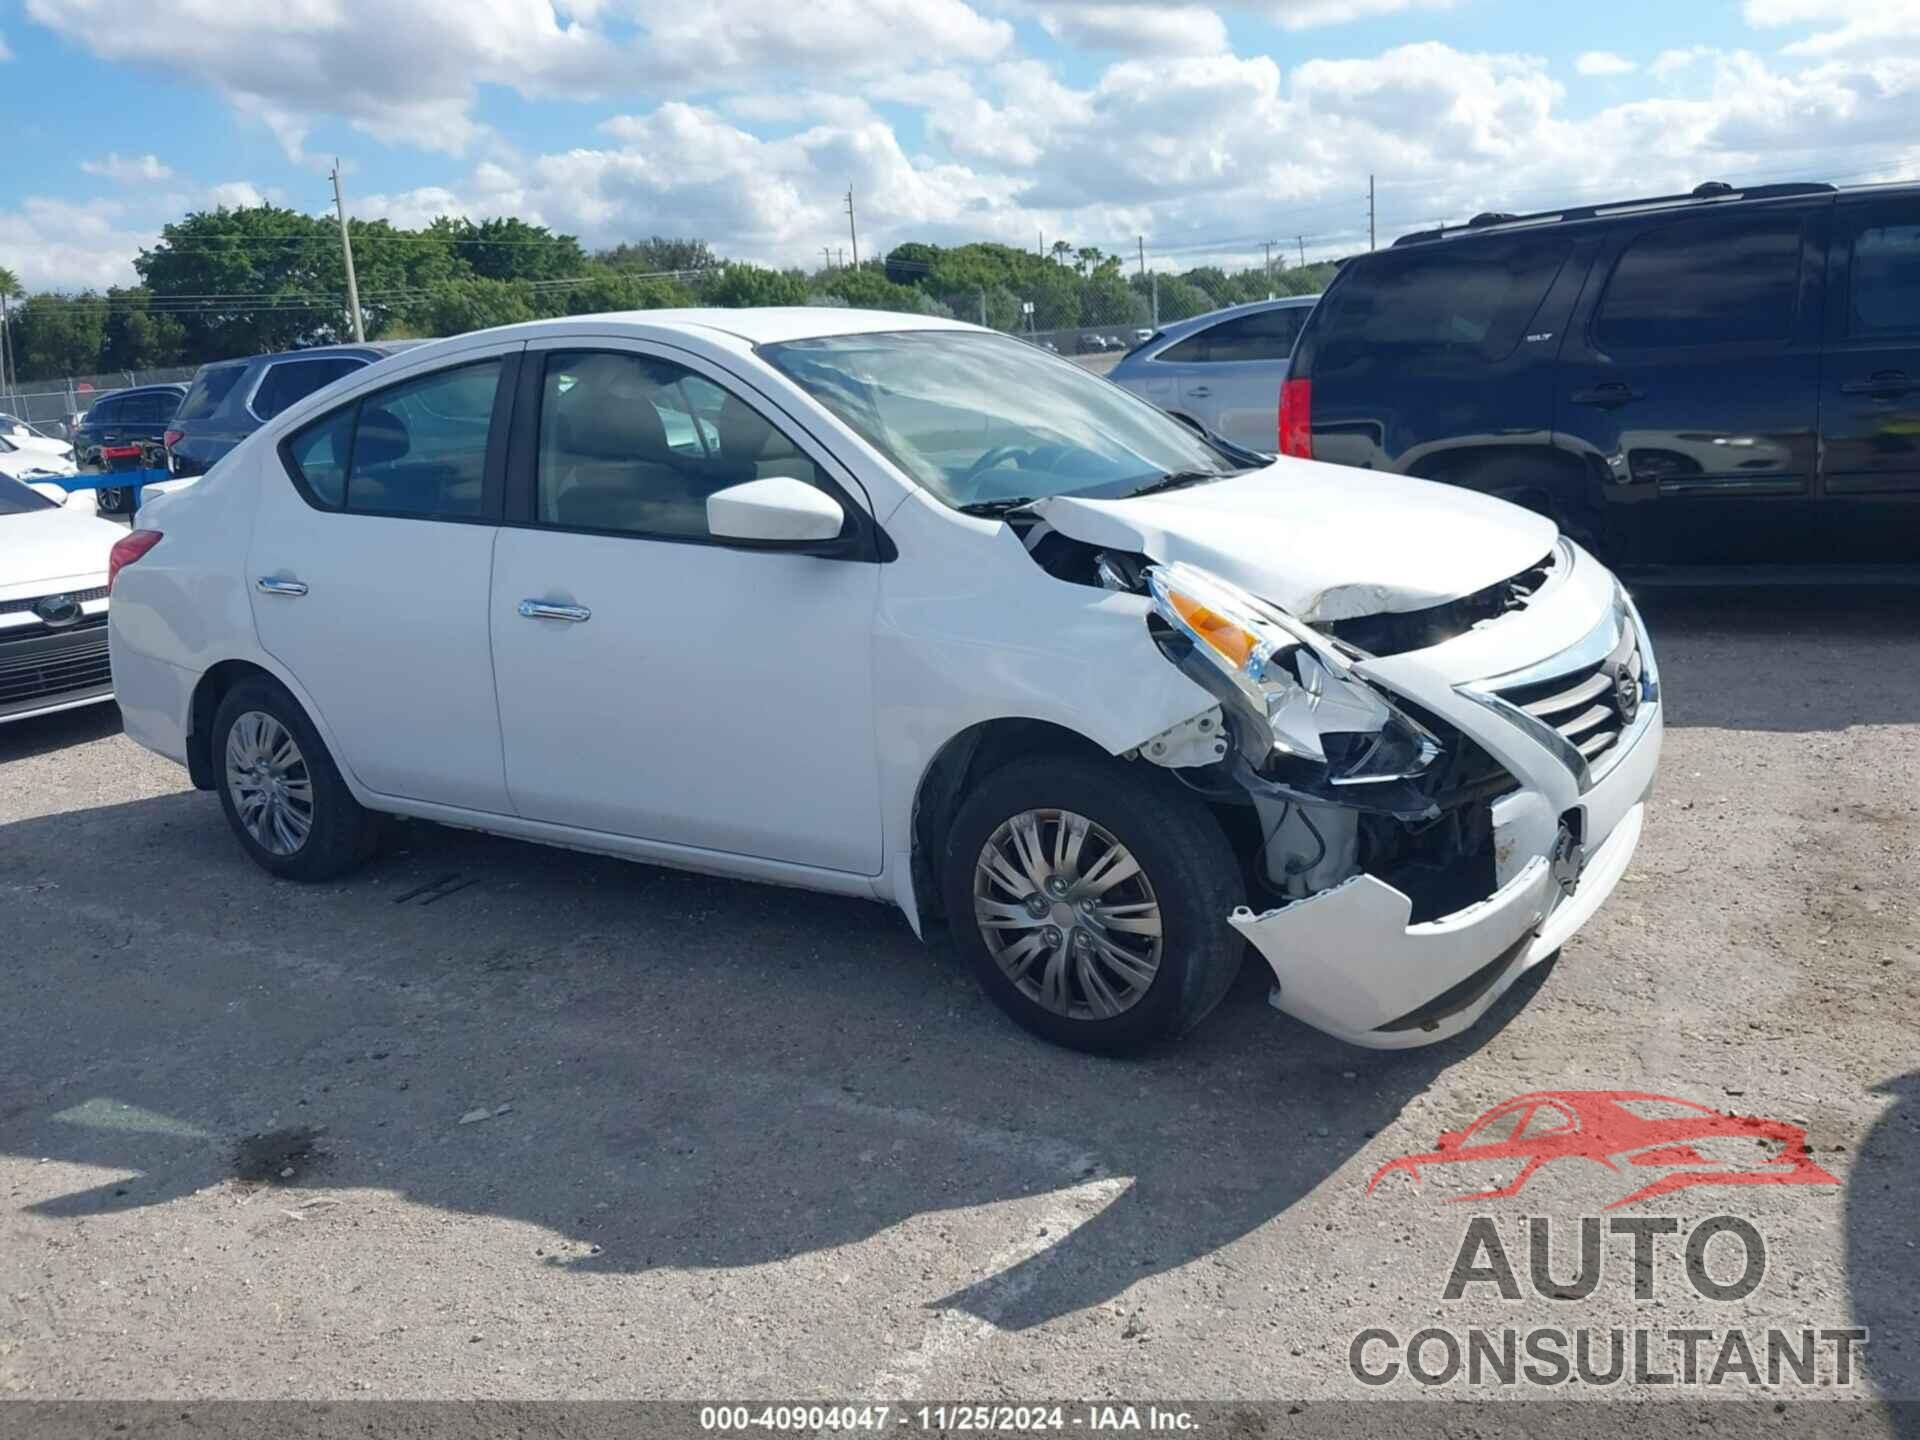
(1188, 881)
(328, 837)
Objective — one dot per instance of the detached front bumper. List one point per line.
(1349, 961)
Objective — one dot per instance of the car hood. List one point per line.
(59, 548)
(29, 464)
(1323, 542)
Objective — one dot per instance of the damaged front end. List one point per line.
(1411, 875)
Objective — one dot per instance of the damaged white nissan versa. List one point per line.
(901, 608)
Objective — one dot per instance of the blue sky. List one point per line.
(1198, 126)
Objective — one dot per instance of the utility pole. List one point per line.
(6, 349)
(1269, 245)
(843, 257)
(1370, 240)
(1303, 250)
(853, 237)
(826, 253)
(346, 250)
(1143, 257)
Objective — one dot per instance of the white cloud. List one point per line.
(5, 53)
(1137, 29)
(1671, 62)
(138, 168)
(55, 244)
(1305, 14)
(234, 195)
(1604, 62)
(1844, 27)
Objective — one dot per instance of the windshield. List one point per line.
(18, 499)
(984, 419)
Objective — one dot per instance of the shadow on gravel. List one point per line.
(1883, 1265)
(663, 1070)
(1798, 659)
(23, 739)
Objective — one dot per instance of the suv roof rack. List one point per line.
(1716, 191)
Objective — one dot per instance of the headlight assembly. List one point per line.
(1293, 692)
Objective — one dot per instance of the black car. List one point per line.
(231, 399)
(122, 431)
(1722, 377)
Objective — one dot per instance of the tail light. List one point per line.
(171, 438)
(1296, 418)
(126, 551)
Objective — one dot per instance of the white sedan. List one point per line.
(53, 601)
(31, 458)
(901, 608)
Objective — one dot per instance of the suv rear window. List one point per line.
(1703, 282)
(287, 381)
(210, 387)
(1461, 301)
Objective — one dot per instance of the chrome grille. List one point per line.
(49, 667)
(1585, 704)
(15, 607)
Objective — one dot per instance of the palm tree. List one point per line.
(10, 289)
(1061, 249)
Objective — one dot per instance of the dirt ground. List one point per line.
(495, 1120)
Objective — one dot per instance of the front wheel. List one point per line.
(1092, 899)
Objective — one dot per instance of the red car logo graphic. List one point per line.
(1623, 1128)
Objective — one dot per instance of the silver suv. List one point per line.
(1222, 370)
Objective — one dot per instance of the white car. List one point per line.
(901, 608)
(30, 459)
(53, 601)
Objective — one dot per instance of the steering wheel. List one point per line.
(990, 460)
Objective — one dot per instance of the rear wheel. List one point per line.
(1092, 899)
(281, 791)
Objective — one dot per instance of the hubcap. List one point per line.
(268, 781)
(1068, 914)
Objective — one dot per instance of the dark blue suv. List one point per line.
(231, 399)
(1718, 378)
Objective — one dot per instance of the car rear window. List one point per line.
(1703, 282)
(212, 385)
(1462, 301)
(288, 381)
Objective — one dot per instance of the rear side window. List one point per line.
(103, 412)
(416, 448)
(1886, 281)
(289, 381)
(1464, 302)
(152, 409)
(209, 388)
(1268, 335)
(1703, 282)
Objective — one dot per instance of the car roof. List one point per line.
(177, 386)
(378, 349)
(1178, 328)
(759, 325)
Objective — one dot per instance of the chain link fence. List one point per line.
(49, 405)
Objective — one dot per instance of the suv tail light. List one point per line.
(171, 438)
(126, 551)
(1296, 418)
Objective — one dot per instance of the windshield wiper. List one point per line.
(1178, 480)
(994, 509)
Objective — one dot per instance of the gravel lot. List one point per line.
(570, 1127)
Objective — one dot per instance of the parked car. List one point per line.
(53, 601)
(24, 436)
(1721, 377)
(1045, 666)
(37, 463)
(122, 421)
(230, 400)
(1221, 371)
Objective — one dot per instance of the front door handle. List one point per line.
(1882, 383)
(267, 585)
(1607, 396)
(1199, 390)
(545, 610)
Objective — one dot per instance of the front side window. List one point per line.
(1703, 282)
(416, 448)
(1267, 335)
(634, 445)
(1886, 281)
(984, 420)
(289, 381)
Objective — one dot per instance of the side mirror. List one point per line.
(59, 494)
(779, 508)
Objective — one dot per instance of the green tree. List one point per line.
(911, 263)
(261, 278)
(742, 285)
(136, 336)
(59, 335)
(608, 290)
(477, 304)
(660, 254)
(510, 249)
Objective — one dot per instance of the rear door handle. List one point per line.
(1199, 390)
(267, 585)
(544, 610)
(1886, 383)
(1606, 396)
